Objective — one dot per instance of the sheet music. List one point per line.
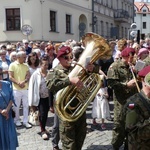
(139, 65)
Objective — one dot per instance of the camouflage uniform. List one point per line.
(118, 76)
(147, 61)
(72, 134)
(135, 119)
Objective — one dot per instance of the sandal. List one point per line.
(94, 122)
(44, 136)
(103, 127)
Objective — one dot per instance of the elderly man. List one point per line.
(19, 75)
(121, 81)
(26, 46)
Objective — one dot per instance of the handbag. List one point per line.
(12, 111)
(34, 116)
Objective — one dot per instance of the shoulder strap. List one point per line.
(145, 103)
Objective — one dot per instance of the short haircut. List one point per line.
(3, 51)
(20, 54)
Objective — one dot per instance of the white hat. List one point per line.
(25, 41)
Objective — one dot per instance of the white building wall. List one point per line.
(139, 19)
(36, 13)
(105, 10)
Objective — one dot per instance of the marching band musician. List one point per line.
(72, 134)
(135, 116)
(120, 79)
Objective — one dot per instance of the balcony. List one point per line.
(121, 15)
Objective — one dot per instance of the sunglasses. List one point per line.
(67, 57)
(2, 54)
(32, 58)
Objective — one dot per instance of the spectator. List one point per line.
(26, 46)
(100, 109)
(147, 43)
(42, 48)
(13, 56)
(4, 64)
(9, 50)
(18, 44)
(49, 50)
(31, 44)
(33, 62)
(8, 135)
(37, 50)
(19, 75)
(22, 48)
(141, 43)
(38, 94)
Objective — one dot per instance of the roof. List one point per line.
(140, 5)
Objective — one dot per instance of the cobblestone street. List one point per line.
(96, 138)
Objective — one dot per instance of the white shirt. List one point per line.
(5, 67)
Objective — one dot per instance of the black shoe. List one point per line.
(110, 119)
(56, 148)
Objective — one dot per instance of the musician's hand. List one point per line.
(90, 67)
(76, 81)
(131, 83)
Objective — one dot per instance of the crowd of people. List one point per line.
(32, 73)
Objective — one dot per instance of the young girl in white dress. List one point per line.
(100, 109)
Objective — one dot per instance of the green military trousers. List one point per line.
(72, 134)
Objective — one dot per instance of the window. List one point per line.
(53, 21)
(13, 19)
(144, 12)
(144, 25)
(68, 23)
(102, 28)
(122, 32)
(134, 13)
(111, 4)
(107, 30)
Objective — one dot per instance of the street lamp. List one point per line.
(94, 20)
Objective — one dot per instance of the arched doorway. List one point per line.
(82, 25)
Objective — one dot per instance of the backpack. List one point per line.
(138, 117)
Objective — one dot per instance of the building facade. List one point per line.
(59, 20)
(142, 18)
(113, 18)
(55, 20)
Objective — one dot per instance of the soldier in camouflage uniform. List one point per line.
(135, 117)
(72, 134)
(147, 60)
(121, 81)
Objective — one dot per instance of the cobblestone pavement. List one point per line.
(96, 138)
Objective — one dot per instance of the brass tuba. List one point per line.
(71, 103)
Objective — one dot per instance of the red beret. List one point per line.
(126, 52)
(144, 71)
(143, 51)
(63, 51)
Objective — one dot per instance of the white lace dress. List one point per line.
(100, 107)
